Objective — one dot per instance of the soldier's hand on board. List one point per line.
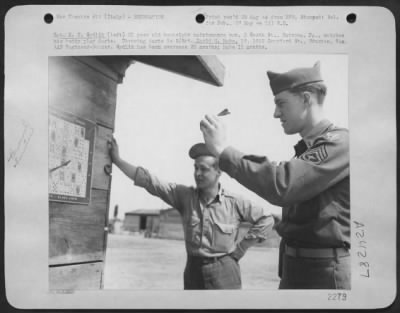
(113, 149)
(214, 134)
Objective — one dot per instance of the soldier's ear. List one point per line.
(307, 98)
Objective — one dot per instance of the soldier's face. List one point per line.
(291, 110)
(206, 174)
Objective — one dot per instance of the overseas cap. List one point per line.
(297, 77)
(199, 149)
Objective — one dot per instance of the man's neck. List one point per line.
(208, 194)
(314, 120)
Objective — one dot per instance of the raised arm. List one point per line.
(294, 181)
(127, 168)
(320, 167)
(170, 193)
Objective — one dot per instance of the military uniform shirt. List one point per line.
(210, 230)
(313, 189)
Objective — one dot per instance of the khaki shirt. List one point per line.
(212, 229)
(313, 189)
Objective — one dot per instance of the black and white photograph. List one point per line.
(169, 222)
(223, 170)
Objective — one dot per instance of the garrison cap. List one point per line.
(199, 149)
(294, 78)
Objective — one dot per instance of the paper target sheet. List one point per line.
(70, 158)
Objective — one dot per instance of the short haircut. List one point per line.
(319, 89)
(216, 164)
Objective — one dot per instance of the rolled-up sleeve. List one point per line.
(171, 193)
(294, 181)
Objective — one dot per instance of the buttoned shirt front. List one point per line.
(210, 229)
(313, 188)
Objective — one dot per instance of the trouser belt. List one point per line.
(316, 253)
(205, 260)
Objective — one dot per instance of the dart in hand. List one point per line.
(224, 112)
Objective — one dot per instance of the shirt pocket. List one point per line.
(223, 237)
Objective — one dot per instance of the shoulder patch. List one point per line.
(316, 155)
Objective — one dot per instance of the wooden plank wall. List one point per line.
(76, 277)
(87, 88)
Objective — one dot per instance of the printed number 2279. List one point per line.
(339, 296)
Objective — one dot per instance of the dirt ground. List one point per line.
(135, 262)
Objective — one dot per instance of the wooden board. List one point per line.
(77, 231)
(101, 158)
(76, 277)
(85, 87)
(77, 88)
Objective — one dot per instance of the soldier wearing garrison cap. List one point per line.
(211, 217)
(312, 188)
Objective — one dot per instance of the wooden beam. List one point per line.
(207, 69)
(214, 67)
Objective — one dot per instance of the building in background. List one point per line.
(159, 223)
(143, 221)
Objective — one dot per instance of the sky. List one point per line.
(158, 115)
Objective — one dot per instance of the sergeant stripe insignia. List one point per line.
(315, 155)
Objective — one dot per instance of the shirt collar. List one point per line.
(220, 194)
(318, 130)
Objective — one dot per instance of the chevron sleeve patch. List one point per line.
(315, 155)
